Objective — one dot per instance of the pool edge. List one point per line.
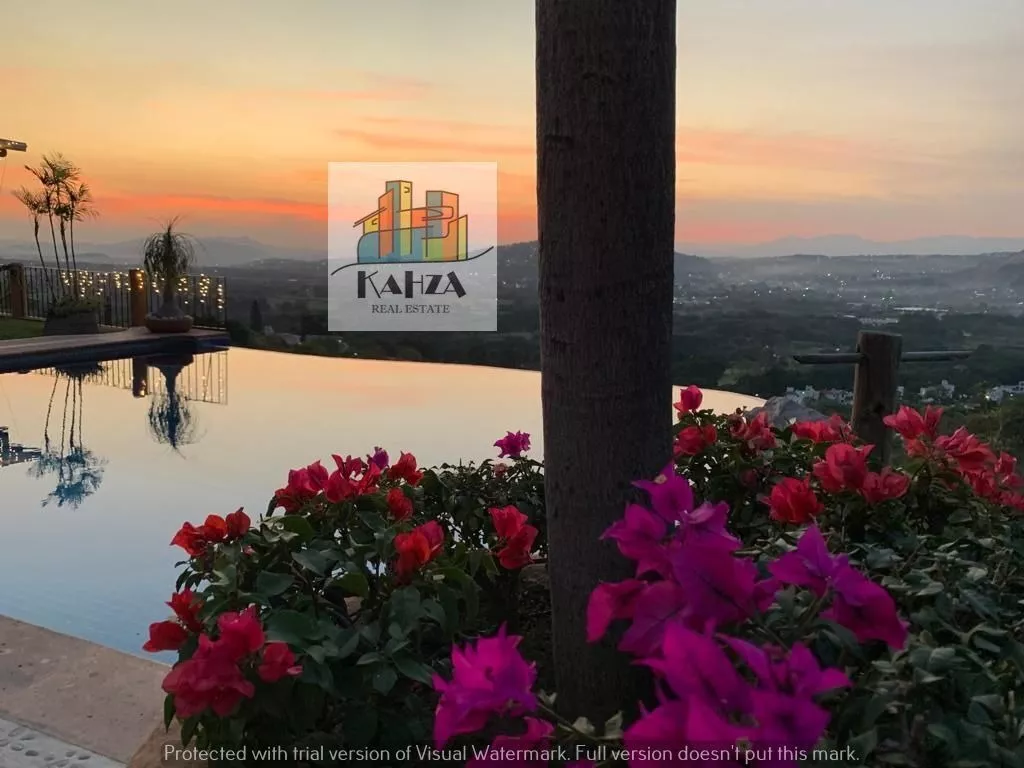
(76, 691)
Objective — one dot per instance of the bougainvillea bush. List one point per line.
(789, 596)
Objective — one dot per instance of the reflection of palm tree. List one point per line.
(171, 421)
(79, 471)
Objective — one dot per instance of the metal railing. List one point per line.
(202, 296)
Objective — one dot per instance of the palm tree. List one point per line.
(80, 207)
(171, 421)
(35, 204)
(168, 256)
(605, 194)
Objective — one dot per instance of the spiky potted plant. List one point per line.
(168, 256)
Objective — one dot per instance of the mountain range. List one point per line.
(241, 251)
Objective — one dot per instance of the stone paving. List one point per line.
(23, 747)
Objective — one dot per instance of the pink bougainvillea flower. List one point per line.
(186, 606)
(843, 468)
(399, 505)
(793, 501)
(676, 724)
(349, 465)
(515, 535)
(351, 480)
(507, 521)
(706, 525)
(690, 399)
(406, 469)
(523, 750)
(810, 565)
(489, 677)
(692, 663)
(513, 445)
(277, 661)
(913, 425)
(610, 601)
(380, 458)
(654, 606)
(499, 468)
(884, 485)
(670, 494)
(165, 636)
(639, 535)
(865, 608)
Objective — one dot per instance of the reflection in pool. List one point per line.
(127, 452)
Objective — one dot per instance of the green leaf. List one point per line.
(413, 669)
(450, 606)
(271, 584)
(292, 627)
(433, 610)
(384, 680)
(348, 646)
(168, 711)
(312, 560)
(353, 583)
(372, 520)
(361, 726)
(864, 744)
(226, 576)
(993, 703)
(188, 730)
(405, 607)
(942, 733)
(298, 525)
(373, 657)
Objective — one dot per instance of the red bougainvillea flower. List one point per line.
(966, 450)
(303, 486)
(757, 433)
(793, 501)
(692, 440)
(913, 425)
(833, 430)
(165, 636)
(515, 535)
(406, 469)
(884, 485)
(241, 633)
(844, 467)
(214, 529)
(499, 468)
(690, 399)
(191, 539)
(238, 524)
(513, 445)
(522, 750)
(399, 505)
(380, 458)
(350, 480)
(276, 662)
(489, 677)
(211, 679)
(186, 606)
(417, 548)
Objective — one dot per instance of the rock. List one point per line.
(163, 750)
(534, 576)
(782, 412)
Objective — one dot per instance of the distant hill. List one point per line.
(853, 245)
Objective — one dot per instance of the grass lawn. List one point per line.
(19, 329)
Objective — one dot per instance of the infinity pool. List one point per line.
(111, 465)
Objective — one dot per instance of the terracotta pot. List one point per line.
(72, 323)
(158, 324)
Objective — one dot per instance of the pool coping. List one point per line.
(86, 696)
(47, 351)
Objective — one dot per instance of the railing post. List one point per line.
(140, 376)
(18, 291)
(138, 297)
(874, 389)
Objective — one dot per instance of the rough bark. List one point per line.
(606, 193)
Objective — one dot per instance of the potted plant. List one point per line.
(167, 257)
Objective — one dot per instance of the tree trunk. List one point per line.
(606, 194)
(169, 305)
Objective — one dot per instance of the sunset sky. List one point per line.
(795, 117)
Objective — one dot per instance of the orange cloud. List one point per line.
(370, 87)
(125, 206)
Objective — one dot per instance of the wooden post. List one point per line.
(874, 389)
(139, 297)
(18, 291)
(140, 377)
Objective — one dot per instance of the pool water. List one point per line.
(119, 464)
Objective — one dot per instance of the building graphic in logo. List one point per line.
(398, 232)
(401, 264)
